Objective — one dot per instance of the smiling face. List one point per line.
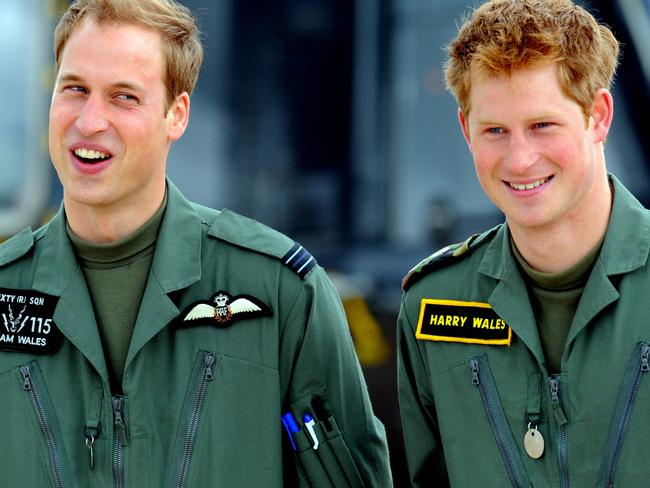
(536, 157)
(110, 131)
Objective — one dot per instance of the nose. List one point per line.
(522, 153)
(92, 118)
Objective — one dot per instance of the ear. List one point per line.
(602, 112)
(178, 116)
(464, 126)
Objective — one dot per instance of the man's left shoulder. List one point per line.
(254, 236)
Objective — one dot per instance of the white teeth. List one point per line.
(529, 186)
(90, 154)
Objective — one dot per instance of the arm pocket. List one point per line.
(321, 453)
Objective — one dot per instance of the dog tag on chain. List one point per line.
(534, 443)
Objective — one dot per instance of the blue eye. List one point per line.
(495, 130)
(126, 97)
(542, 125)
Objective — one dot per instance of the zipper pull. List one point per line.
(91, 433)
(90, 441)
(209, 372)
(558, 413)
(473, 363)
(645, 352)
(119, 419)
(27, 377)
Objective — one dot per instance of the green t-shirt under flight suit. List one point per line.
(554, 298)
(116, 275)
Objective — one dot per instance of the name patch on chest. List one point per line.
(457, 321)
(26, 322)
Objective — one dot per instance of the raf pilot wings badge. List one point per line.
(223, 309)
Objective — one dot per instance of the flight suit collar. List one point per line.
(627, 241)
(176, 265)
(58, 273)
(509, 297)
(177, 259)
(625, 248)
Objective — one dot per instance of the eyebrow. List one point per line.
(536, 118)
(487, 122)
(71, 77)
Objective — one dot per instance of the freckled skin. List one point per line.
(521, 129)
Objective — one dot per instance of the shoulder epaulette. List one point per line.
(251, 234)
(444, 257)
(16, 247)
(299, 260)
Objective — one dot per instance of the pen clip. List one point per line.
(310, 423)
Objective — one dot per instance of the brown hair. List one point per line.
(502, 36)
(182, 50)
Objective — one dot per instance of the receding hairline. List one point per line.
(100, 22)
(180, 36)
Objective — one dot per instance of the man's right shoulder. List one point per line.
(16, 247)
(447, 256)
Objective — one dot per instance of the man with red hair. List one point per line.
(523, 351)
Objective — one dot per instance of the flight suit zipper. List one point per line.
(119, 442)
(561, 421)
(33, 391)
(498, 423)
(206, 374)
(627, 398)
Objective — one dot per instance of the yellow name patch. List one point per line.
(456, 321)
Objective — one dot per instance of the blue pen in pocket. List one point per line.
(289, 422)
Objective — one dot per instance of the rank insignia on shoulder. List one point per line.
(458, 321)
(445, 256)
(27, 323)
(223, 309)
(299, 260)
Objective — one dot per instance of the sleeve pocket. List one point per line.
(330, 465)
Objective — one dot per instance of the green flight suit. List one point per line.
(466, 406)
(202, 398)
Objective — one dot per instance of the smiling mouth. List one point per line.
(89, 156)
(529, 186)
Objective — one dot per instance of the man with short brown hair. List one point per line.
(149, 341)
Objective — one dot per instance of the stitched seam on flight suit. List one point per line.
(283, 327)
(292, 308)
(418, 346)
(247, 361)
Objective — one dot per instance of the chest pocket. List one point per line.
(34, 454)
(627, 450)
(482, 380)
(230, 414)
(193, 406)
(473, 422)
